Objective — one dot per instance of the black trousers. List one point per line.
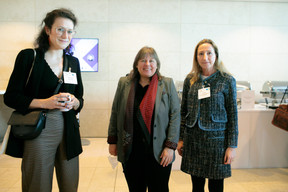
(145, 172)
(214, 185)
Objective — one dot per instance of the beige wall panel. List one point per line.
(252, 37)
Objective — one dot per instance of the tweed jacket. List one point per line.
(166, 119)
(215, 113)
(19, 97)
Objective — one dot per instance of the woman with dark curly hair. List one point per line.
(59, 144)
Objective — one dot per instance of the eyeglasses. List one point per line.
(61, 30)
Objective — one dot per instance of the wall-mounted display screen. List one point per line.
(86, 50)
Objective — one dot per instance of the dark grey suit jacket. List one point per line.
(166, 119)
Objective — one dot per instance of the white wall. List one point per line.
(252, 37)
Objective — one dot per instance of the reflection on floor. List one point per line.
(96, 175)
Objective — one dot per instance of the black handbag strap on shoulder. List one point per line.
(31, 67)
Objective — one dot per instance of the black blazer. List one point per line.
(19, 97)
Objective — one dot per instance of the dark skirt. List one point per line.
(203, 154)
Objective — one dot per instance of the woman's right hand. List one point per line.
(180, 147)
(53, 102)
(113, 149)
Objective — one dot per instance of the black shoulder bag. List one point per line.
(30, 125)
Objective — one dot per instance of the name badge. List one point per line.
(204, 93)
(70, 78)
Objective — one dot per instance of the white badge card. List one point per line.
(204, 93)
(70, 78)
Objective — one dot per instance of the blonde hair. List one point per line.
(197, 70)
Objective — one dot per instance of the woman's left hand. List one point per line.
(230, 154)
(72, 101)
(166, 156)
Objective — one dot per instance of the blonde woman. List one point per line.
(209, 122)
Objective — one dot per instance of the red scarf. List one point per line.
(148, 102)
(146, 112)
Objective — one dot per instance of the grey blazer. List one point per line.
(166, 126)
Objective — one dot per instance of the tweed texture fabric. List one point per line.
(203, 154)
(208, 126)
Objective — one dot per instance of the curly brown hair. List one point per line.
(42, 41)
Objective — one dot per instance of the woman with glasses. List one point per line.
(59, 143)
(209, 121)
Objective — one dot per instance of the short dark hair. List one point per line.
(42, 41)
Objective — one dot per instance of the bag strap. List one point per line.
(284, 95)
(31, 67)
(61, 80)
